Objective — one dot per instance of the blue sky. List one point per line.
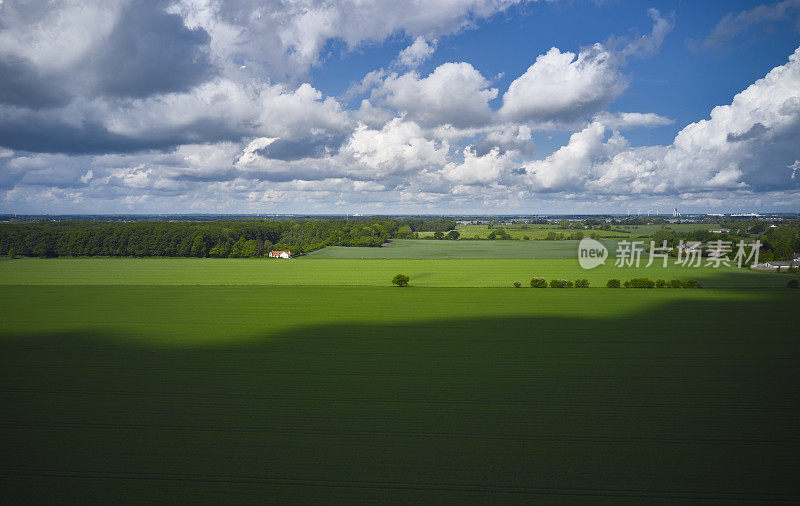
(473, 106)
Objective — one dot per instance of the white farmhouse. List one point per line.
(280, 254)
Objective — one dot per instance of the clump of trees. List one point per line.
(400, 280)
(639, 283)
(613, 283)
(452, 235)
(659, 283)
(499, 234)
(216, 239)
(558, 283)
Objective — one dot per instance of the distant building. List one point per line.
(280, 254)
(782, 264)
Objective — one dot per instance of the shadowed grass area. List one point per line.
(260, 394)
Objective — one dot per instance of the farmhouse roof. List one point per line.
(780, 263)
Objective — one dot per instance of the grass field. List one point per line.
(539, 231)
(351, 272)
(435, 249)
(268, 394)
(533, 231)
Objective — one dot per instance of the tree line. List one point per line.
(222, 239)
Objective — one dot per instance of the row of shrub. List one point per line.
(556, 283)
(614, 283)
(658, 283)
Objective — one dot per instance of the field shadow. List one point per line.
(691, 401)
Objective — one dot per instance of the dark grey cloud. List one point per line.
(50, 134)
(22, 85)
(151, 51)
(757, 130)
(208, 177)
(317, 146)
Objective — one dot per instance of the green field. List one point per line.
(518, 232)
(351, 272)
(539, 231)
(434, 249)
(120, 385)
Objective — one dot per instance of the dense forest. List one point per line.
(222, 239)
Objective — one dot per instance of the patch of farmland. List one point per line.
(484, 272)
(443, 249)
(254, 394)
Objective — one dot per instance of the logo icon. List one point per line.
(591, 253)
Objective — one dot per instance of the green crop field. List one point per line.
(533, 231)
(120, 385)
(539, 231)
(469, 272)
(445, 249)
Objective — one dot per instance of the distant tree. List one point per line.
(11, 254)
(400, 280)
(499, 233)
(581, 283)
(404, 232)
(675, 283)
(665, 235)
(199, 247)
(452, 235)
(517, 284)
(660, 283)
(42, 250)
(560, 283)
(613, 283)
(438, 235)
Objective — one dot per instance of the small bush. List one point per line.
(793, 283)
(560, 283)
(538, 283)
(689, 283)
(675, 283)
(517, 284)
(660, 283)
(400, 280)
(581, 283)
(612, 283)
(640, 283)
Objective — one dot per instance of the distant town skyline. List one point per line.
(401, 107)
